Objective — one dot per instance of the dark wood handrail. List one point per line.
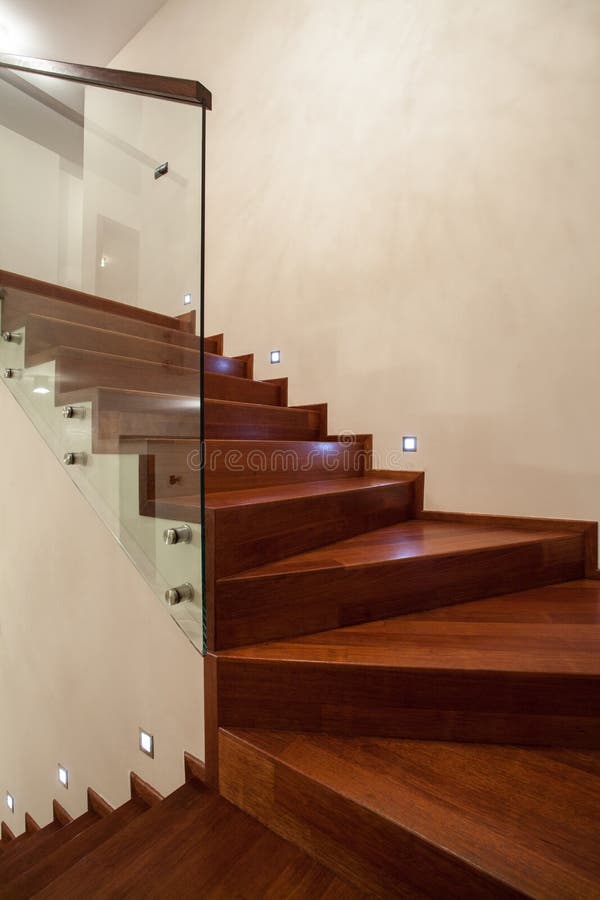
(162, 87)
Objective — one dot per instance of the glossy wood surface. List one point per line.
(17, 305)
(211, 849)
(507, 681)
(406, 567)
(162, 87)
(11, 280)
(414, 818)
(43, 335)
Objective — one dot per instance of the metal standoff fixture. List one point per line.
(180, 535)
(74, 459)
(72, 412)
(175, 595)
(11, 338)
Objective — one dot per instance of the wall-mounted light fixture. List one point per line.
(275, 356)
(146, 743)
(63, 776)
(187, 299)
(10, 802)
(409, 443)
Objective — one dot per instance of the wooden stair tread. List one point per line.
(508, 819)
(406, 540)
(550, 629)
(44, 842)
(209, 844)
(44, 335)
(290, 492)
(57, 859)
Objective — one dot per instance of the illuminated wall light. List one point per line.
(187, 299)
(10, 802)
(275, 356)
(146, 743)
(409, 444)
(63, 776)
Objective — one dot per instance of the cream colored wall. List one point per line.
(87, 654)
(403, 197)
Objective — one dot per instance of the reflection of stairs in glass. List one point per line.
(411, 697)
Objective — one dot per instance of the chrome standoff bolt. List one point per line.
(11, 338)
(74, 459)
(175, 595)
(8, 373)
(180, 535)
(72, 412)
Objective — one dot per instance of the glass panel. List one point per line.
(114, 391)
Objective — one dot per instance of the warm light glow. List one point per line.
(41, 390)
(275, 356)
(409, 444)
(63, 776)
(10, 802)
(187, 299)
(103, 262)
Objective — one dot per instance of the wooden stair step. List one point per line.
(57, 860)
(207, 843)
(43, 335)
(426, 819)
(39, 846)
(410, 566)
(521, 668)
(170, 466)
(77, 369)
(72, 306)
(272, 522)
(20, 846)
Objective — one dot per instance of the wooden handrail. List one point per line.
(163, 87)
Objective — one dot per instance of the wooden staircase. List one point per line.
(410, 697)
(190, 844)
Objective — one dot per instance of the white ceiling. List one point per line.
(80, 31)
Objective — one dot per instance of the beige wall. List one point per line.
(87, 654)
(403, 198)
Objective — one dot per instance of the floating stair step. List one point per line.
(171, 466)
(77, 369)
(251, 421)
(521, 668)
(57, 860)
(42, 843)
(407, 567)
(424, 819)
(211, 848)
(44, 335)
(20, 302)
(273, 522)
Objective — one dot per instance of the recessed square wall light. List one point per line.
(275, 356)
(409, 444)
(63, 776)
(187, 299)
(10, 802)
(146, 743)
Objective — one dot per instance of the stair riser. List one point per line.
(251, 610)
(17, 305)
(445, 705)
(44, 335)
(378, 855)
(240, 465)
